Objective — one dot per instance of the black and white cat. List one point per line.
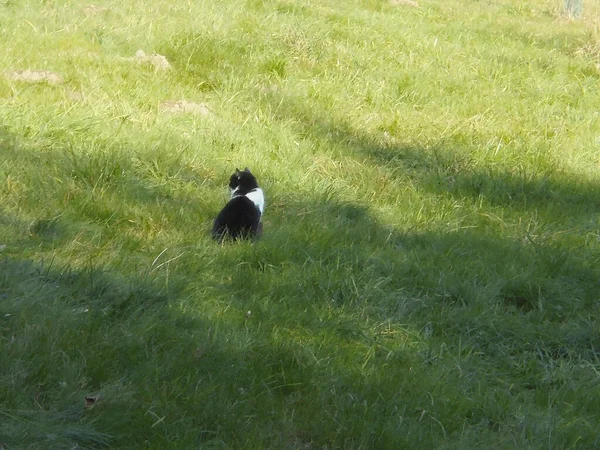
(240, 218)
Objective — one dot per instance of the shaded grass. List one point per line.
(428, 274)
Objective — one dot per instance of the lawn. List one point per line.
(428, 275)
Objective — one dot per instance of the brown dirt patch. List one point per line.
(158, 61)
(34, 76)
(91, 401)
(185, 107)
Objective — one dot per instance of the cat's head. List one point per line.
(242, 182)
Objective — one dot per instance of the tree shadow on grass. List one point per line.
(55, 327)
(572, 204)
(334, 331)
(306, 368)
(157, 374)
(441, 167)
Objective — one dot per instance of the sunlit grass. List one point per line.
(428, 272)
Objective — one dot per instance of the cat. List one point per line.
(241, 216)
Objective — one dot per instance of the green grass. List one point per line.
(429, 271)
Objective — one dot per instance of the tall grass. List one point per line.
(428, 274)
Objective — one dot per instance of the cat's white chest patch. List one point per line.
(257, 197)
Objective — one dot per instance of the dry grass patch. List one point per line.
(184, 107)
(411, 3)
(158, 61)
(34, 76)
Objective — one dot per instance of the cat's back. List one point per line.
(240, 205)
(239, 216)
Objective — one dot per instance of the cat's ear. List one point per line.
(237, 170)
(246, 170)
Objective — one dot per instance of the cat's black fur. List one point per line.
(240, 218)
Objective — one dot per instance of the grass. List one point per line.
(428, 275)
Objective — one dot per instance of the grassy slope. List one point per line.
(428, 276)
